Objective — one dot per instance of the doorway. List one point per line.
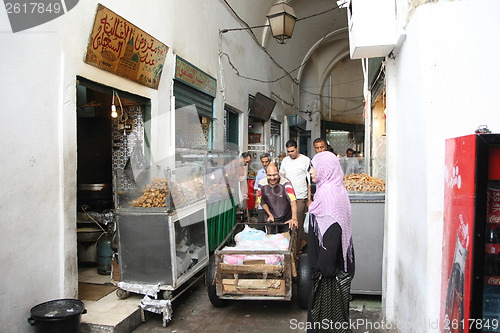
(104, 145)
(231, 133)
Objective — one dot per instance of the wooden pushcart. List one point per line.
(254, 279)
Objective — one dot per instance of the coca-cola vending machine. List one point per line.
(470, 280)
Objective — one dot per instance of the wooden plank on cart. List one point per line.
(254, 287)
(252, 268)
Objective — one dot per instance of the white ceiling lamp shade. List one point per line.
(282, 21)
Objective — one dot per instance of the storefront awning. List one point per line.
(297, 121)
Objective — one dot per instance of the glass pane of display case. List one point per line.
(188, 178)
(352, 165)
(161, 187)
(357, 179)
(141, 189)
(219, 184)
(255, 151)
(190, 241)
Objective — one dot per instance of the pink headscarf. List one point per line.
(331, 203)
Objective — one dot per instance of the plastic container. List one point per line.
(57, 316)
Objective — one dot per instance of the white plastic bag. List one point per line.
(306, 223)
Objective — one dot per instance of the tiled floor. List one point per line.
(110, 310)
(89, 275)
(193, 312)
(110, 313)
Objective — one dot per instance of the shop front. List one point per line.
(364, 179)
(259, 138)
(141, 197)
(105, 146)
(298, 127)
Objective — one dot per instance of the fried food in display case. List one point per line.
(168, 185)
(363, 183)
(155, 194)
(187, 191)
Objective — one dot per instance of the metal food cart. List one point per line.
(158, 250)
(161, 222)
(367, 222)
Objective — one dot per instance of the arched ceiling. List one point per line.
(317, 56)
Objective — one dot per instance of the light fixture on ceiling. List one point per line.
(114, 114)
(282, 21)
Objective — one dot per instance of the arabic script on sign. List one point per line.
(120, 47)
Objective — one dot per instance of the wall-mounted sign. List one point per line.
(261, 107)
(194, 76)
(119, 47)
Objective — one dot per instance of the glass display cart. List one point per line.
(221, 189)
(161, 227)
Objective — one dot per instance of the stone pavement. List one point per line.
(193, 312)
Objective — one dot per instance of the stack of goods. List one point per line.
(251, 239)
(217, 191)
(187, 191)
(188, 256)
(155, 194)
(363, 183)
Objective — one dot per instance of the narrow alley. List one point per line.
(193, 312)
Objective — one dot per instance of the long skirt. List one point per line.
(330, 304)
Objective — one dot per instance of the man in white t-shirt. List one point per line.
(295, 167)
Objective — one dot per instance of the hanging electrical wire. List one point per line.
(256, 40)
(317, 14)
(334, 84)
(331, 97)
(347, 110)
(287, 73)
(123, 115)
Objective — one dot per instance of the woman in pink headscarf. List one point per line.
(330, 249)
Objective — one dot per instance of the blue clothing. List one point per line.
(260, 174)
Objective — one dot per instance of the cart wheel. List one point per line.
(122, 294)
(167, 294)
(303, 281)
(211, 288)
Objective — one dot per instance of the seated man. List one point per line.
(277, 198)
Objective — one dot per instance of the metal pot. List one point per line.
(92, 187)
(95, 196)
(60, 315)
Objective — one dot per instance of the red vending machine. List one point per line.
(470, 280)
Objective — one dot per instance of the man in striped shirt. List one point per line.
(277, 198)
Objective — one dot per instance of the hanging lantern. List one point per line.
(282, 21)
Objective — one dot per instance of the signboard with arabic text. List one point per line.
(194, 76)
(119, 47)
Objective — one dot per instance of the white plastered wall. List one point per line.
(442, 83)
